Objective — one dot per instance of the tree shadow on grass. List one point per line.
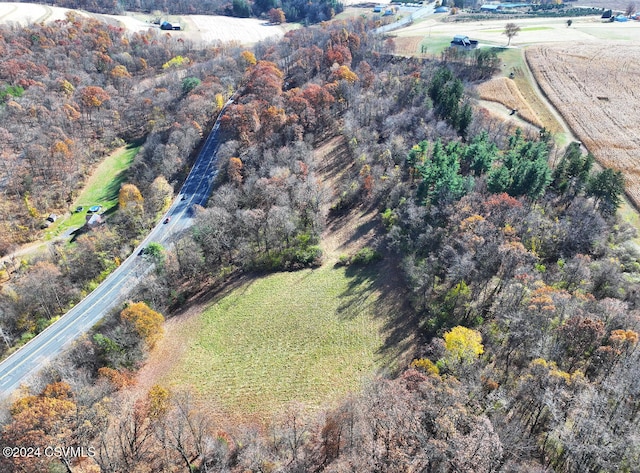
(379, 286)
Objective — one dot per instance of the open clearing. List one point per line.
(197, 28)
(591, 29)
(101, 188)
(25, 13)
(308, 336)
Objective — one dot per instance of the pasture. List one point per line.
(309, 336)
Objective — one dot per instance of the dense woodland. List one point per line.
(306, 11)
(523, 281)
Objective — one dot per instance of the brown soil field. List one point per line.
(408, 45)
(597, 95)
(504, 91)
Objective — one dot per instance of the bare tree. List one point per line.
(510, 30)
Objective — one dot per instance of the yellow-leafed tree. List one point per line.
(130, 197)
(463, 344)
(146, 322)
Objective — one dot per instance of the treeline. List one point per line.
(523, 282)
(313, 11)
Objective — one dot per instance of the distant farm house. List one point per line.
(501, 7)
(165, 25)
(463, 42)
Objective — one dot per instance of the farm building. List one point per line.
(165, 25)
(501, 7)
(463, 42)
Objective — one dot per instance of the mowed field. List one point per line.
(309, 336)
(595, 88)
(25, 13)
(434, 34)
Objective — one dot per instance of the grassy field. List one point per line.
(309, 336)
(101, 188)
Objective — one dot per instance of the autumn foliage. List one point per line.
(146, 322)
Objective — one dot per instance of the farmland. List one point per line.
(197, 28)
(504, 91)
(596, 93)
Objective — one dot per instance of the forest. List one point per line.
(309, 12)
(522, 279)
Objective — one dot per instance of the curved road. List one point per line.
(24, 363)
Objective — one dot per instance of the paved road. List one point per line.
(407, 20)
(23, 364)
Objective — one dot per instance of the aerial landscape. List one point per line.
(319, 236)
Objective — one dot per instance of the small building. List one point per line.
(93, 220)
(165, 25)
(463, 42)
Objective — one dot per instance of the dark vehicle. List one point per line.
(167, 220)
(184, 197)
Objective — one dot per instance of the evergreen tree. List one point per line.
(607, 188)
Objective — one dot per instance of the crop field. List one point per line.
(25, 13)
(308, 336)
(505, 92)
(594, 86)
(197, 28)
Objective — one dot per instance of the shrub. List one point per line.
(365, 255)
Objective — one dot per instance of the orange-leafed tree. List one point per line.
(92, 98)
(234, 171)
(130, 197)
(264, 81)
(344, 73)
(276, 16)
(249, 58)
(145, 321)
(39, 421)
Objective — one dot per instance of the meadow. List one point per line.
(309, 336)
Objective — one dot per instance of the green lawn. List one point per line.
(101, 188)
(434, 45)
(309, 336)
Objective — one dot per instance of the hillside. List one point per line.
(364, 208)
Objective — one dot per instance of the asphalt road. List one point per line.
(26, 362)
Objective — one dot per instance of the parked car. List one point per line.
(167, 220)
